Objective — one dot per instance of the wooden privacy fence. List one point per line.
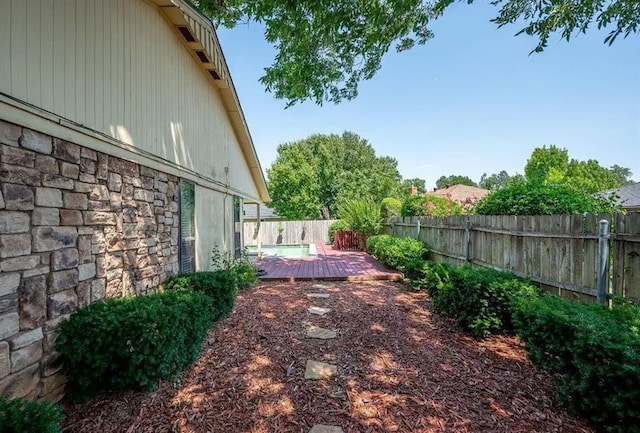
(560, 252)
(287, 232)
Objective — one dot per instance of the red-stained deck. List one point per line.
(329, 264)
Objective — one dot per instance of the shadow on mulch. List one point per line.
(401, 368)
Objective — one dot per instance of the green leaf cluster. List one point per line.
(454, 179)
(532, 198)
(23, 416)
(240, 267)
(133, 342)
(403, 254)
(593, 354)
(337, 226)
(430, 205)
(363, 216)
(220, 286)
(390, 207)
(312, 177)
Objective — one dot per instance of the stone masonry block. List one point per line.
(70, 170)
(32, 298)
(15, 245)
(25, 338)
(73, 200)
(57, 181)
(19, 175)
(46, 164)
(53, 238)
(37, 141)
(62, 303)
(66, 151)
(63, 280)
(18, 156)
(26, 356)
(5, 359)
(48, 197)
(14, 222)
(9, 133)
(9, 283)
(9, 325)
(46, 216)
(19, 263)
(64, 259)
(21, 384)
(18, 197)
(70, 217)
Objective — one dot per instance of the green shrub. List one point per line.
(220, 286)
(245, 272)
(593, 353)
(363, 216)
(481, 299)
(432, 277)
(403, 254)
(531, 198)
(132, 342)
(23, 416)
(390, 207)
(430, 205)
(337, 226)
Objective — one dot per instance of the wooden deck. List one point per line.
(329, 264)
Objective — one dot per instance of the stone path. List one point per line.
(316, 370)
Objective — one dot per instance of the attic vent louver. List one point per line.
(215, 75)
(186, 33)
(202, 56)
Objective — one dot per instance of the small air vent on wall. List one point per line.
(202, 56)
(215, 75)
(186, 33)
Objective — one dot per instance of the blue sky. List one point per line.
(468, 102)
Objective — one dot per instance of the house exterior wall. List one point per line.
(89, 188)
(76, 226)
(118, 67)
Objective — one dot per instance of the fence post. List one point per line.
(603, 261)
(467, 241)
(418, 228)
(393, 227)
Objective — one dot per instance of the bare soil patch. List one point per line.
(401, 368)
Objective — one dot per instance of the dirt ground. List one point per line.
(401, 368)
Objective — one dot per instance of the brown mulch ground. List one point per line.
(401, 368)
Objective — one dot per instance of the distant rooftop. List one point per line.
(462, 194)
(629, 195)
(265, 212)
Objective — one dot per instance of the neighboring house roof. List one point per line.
(462, 194)
(628, 196)
(199, 37)
(250, 212)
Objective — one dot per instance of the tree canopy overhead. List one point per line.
(325, 48)
(454, 179)
(312, 177)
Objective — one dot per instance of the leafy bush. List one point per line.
(481, 299)
(430, 205)
(220, 286)
(403, 254)
(432, 277)
(363, 216)
(593, 353)
(337, 226)
(132, 342)
(23, 416)
(245, 272)
(390, 207)
(531, 198)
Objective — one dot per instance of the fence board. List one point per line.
(292, 232)
(559, 251)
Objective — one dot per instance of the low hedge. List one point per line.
(403, 254)
(221, 286)
(337, 226)
(481, 300)
(593, 354)
(133, 342)
(23, 416)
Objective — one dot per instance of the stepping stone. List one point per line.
(321, 428)
(318, 295)
(320, 286)
(318, 310)
(319, 370)
(323, 334)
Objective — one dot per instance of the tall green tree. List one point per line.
(420, 184)
(454, 179)
(498, 181)
(551, 165)
(312, 177)
(325, 48)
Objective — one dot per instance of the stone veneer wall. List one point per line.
(76, 226)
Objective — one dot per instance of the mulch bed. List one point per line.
(401, 368)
